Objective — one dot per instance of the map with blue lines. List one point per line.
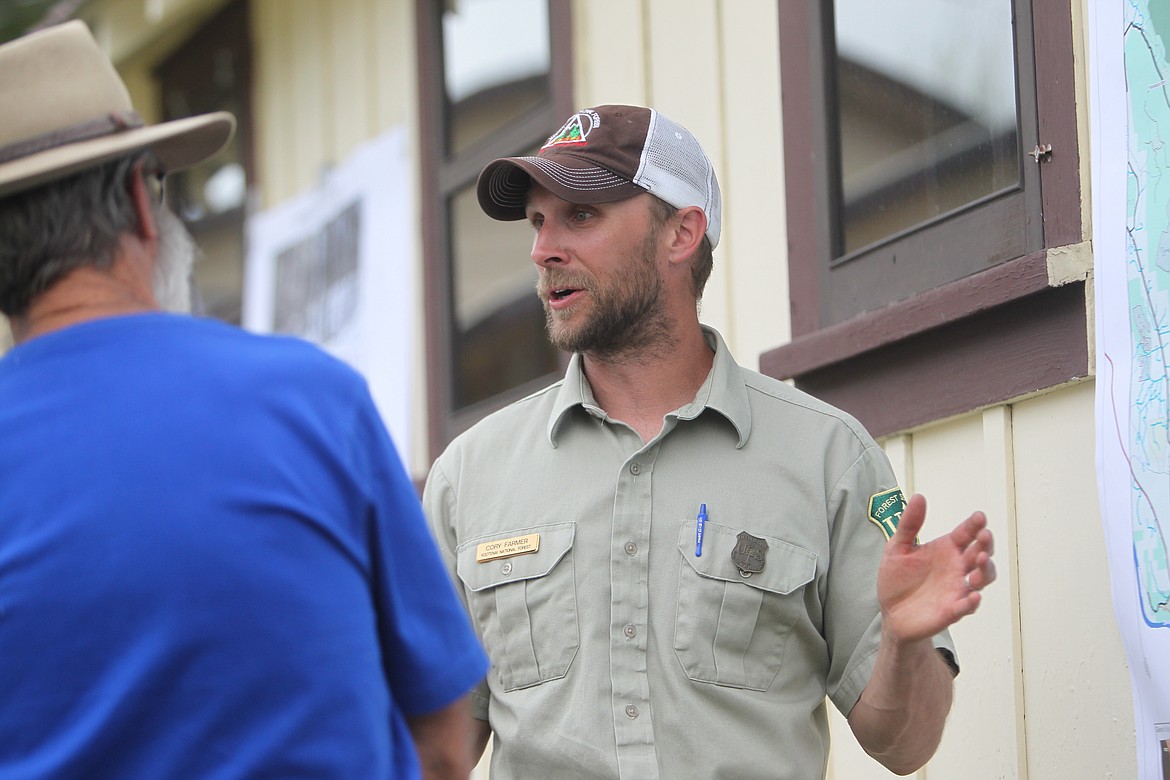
(1148, 287)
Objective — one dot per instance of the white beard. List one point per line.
(172, 266)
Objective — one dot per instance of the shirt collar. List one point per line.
(723, 391)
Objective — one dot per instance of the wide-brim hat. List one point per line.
(63, 108)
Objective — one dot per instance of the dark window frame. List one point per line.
(980, 339)
(442, 176)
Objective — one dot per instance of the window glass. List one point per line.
(498, 332)
(211, 72)
(495, 81)
(495, 65)
(926, 112)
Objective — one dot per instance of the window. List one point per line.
(922, 203)
(920, 164)
(211, 71)
(494, 81)
(925, 115)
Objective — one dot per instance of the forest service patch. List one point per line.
(885, 509)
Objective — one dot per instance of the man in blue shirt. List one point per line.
(212, 562)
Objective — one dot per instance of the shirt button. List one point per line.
(631, 548)
(635, 469)
(506, 568)
(631, 712)
(631, 631)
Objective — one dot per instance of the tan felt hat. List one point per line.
(63, 108)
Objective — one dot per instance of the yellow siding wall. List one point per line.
(1076, 687)
(328, 77)
(1044, 690)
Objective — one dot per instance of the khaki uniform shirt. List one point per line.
(619, 652)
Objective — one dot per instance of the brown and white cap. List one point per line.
(605, 154)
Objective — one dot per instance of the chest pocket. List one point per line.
(526, 605)
(731, 629)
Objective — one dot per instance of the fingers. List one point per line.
(967, 605)
(977, 545)
(983, 543)
(981, 574)
(970, 530)
(910, 523)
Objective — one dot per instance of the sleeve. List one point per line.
(858, 534)
(440, 506)
(431, 655)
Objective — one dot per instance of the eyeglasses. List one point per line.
(154, 179)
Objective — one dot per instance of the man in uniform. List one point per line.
(671, 559)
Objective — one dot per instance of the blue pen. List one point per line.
(702, 521)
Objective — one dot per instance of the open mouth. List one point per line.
(560, 290)
(561, 293)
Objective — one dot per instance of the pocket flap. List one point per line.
(555, 541)
(786, 566)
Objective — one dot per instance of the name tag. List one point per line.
(506, 548)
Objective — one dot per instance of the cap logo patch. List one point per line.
(885, 509)
(576, 131)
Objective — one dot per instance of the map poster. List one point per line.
(1129, 87)
(335, 266)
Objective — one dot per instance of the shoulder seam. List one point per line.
(827, 411)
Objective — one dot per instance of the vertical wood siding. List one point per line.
(329, 77)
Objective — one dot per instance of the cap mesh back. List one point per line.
(675, 168)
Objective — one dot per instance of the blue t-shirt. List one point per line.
(212, 563)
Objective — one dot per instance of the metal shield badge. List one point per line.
(750, 554)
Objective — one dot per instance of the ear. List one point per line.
(690, 225)
(143, 205)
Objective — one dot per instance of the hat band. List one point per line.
(112, 123)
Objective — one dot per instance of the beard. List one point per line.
(172, 267)
(628, 310)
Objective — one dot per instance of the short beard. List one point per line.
(629, 315)
(172, 267)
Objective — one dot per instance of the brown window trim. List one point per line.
(982, 339)
(999, 334)
(437, 178)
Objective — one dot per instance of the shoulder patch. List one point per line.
(885, 509)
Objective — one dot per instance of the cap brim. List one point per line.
(178, 144)
(503, 184)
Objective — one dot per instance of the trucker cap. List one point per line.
(604, 154)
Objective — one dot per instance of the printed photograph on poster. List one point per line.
(317, 280)
(334, 266)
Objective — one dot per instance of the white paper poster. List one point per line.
(1130, 137)
(335, 266)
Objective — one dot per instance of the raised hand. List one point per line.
(923, 589)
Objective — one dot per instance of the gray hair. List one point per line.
(74, 222)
